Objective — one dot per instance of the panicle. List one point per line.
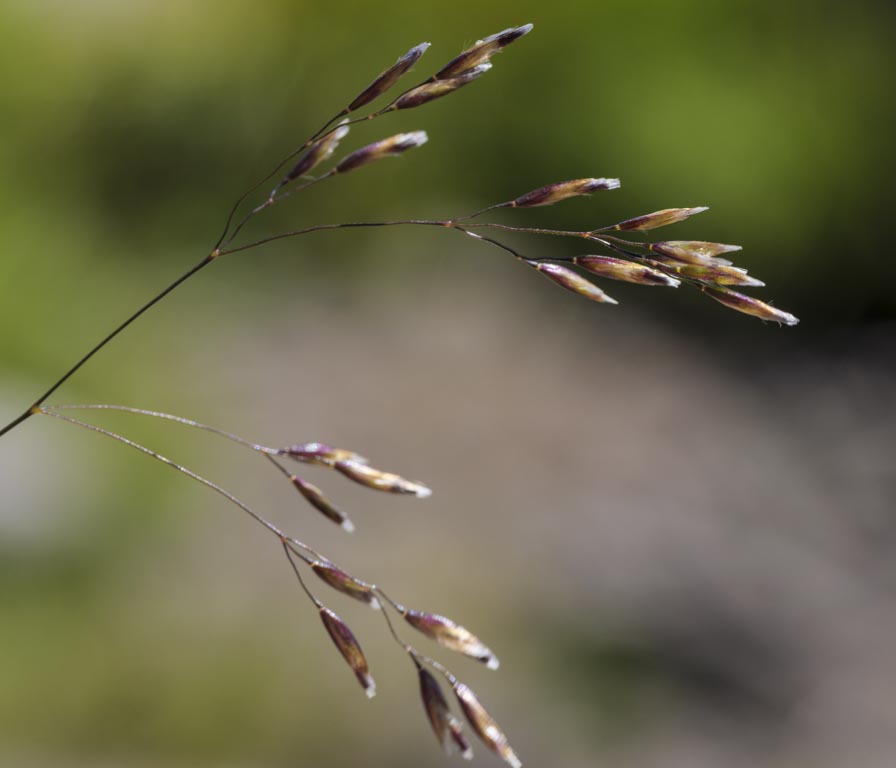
(389, 77)
(320, 453)
(348, 646)
(319, 151)
(345, 583)
(659, 218)
(486, 728)
(627, 271)
(451, 635)
(381, 481)
(749, 306)
(692, 251)
(718, 274)
(481, 51)
(572, 281)
(554, 193)
(389, 147)
(435, 705)
(316, 499)
(432, 90)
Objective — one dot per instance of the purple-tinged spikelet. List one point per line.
(627, 271)
(451, 635)
(389, 77)
(481, 51)
(718, 274)
(389, 147)
(430, 91)
(554, 193)
(345, 583)
(319, 151)
(692, 251)
(659, 218)
(572, 281)
(316, 499)
(348, 646)
(435, 706)
(486, 728)
(749, 306)
(320, 453)
(381, 481)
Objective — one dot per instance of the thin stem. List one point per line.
(170, 417)
(530, 230)
(270, 203)
(289, 553)
(35, 407)
(492, 241)
(343, 225)
(168, 462)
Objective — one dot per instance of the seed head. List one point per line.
(481, 51)
(435, 705)
(749, 306)
(627, 271)
(554, 193)
(659, 218)
(436, 89)
(692, 251)
(343, 582)
(394, 145)
(451, 635)
(572, 281)
(381, 481)
(486, 728)
(316, 499)
(389, 77)
(718, 274)
(319, 453)
(319, 151)
(348, 646)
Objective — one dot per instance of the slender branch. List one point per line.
(159, 415)
(168, 462)
(35, 407)
(289, 553)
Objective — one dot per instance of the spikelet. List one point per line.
(693, 251)
(345, 583)
(563, 190)
(627, 271)
(381, 481)
(484, 726)
(319, 151)
(659, 219)
(315, 497)
(348, 646)
(388, 78)
(388, 147)
(572, 281)
(451, 635)
(749, 306)
(430, 91)
(481, 51)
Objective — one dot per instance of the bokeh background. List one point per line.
(674, 523)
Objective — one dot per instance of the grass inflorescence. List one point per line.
(662, 263)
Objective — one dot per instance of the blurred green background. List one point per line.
(673, 523)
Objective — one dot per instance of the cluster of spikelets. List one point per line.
(664, 263)
(448, 728)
